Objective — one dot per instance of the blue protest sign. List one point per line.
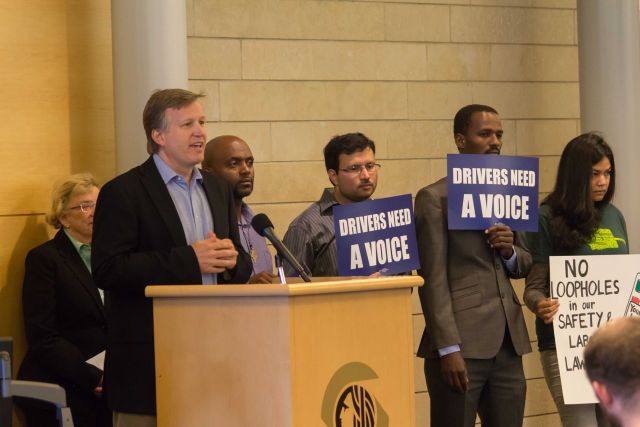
(485, 190)
(376, 236)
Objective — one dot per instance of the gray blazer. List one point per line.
(467, 298)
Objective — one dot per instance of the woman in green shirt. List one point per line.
(576, 218)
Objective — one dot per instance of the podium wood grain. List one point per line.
(244, 355)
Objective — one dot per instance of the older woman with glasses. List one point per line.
(64, 311)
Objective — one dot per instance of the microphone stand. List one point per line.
(280, 269)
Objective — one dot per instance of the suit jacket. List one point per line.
(138, 240)
(467, 298)
(64, 318)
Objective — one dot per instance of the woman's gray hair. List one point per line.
(63, 190)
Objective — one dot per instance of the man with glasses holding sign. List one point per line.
(352, 169)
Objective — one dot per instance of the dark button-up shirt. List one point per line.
(311, 238)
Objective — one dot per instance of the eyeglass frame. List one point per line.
(372, 167)
(85, 207)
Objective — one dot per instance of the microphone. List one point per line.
(264, 227)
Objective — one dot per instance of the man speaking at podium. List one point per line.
(163, 222)
(475, 333)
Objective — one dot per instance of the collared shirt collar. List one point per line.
(76, 243)
(169, 174)
(327, 200)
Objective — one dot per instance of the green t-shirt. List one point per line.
(609, 239)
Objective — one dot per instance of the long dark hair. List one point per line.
(574, 215)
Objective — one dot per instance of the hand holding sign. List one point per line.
(500, 238)
(546, 309)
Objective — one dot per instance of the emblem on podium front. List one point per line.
(349, 403)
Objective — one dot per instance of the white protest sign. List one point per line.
(592, 290)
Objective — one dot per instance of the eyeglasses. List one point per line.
(85, 207)
(357, 168)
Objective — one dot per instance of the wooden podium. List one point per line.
(304, 354)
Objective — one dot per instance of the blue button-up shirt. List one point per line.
(192, 205)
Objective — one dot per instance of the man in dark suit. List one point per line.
(475, 333)
(162, 222)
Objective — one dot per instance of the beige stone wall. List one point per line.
(57, 112)
(287, 75)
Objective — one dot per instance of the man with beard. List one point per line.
(350, 161)
(475, 334)
(230, 158)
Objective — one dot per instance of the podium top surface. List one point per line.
(319, 285)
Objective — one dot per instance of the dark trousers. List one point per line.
(496, 392)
